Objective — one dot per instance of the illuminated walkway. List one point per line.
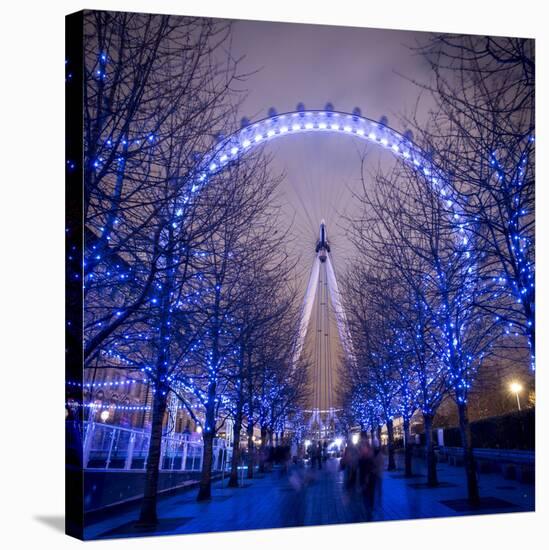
(312, 497)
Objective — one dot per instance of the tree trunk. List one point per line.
(372, 436)
(407, 449)
(251, 450)
(468, 458)
(233, 479)
(378, 434)
(390, 445)
(148, 516)
(432, 479)
(263, 449)
(205, 487)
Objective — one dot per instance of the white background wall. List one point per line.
(32, 270)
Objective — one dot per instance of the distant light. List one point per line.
(259, 137)
(284, 129)
(338, 441)
(354, 439)
(296, 127)
(104, 415)
(199, 429)
(307, 443)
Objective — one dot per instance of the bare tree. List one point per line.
(483, 138)
(374, 367)
(153, 91)
(414, 231)
(157, 90)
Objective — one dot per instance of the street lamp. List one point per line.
(355, 438)
(516, 388)
(104, 415)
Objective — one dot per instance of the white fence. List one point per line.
(107, 447)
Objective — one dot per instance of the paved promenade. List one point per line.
(313, 497)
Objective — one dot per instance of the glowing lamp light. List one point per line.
(515, 387)
(307, 443)
(199, 429)
(104, 415)
(354, 439)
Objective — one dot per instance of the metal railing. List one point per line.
(107, 447)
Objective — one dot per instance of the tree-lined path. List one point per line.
(308, 497)
(205, 349)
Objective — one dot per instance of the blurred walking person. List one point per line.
(349, 463)
(367, 475)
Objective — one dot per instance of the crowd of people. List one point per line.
(362, 464)
(318, 453)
